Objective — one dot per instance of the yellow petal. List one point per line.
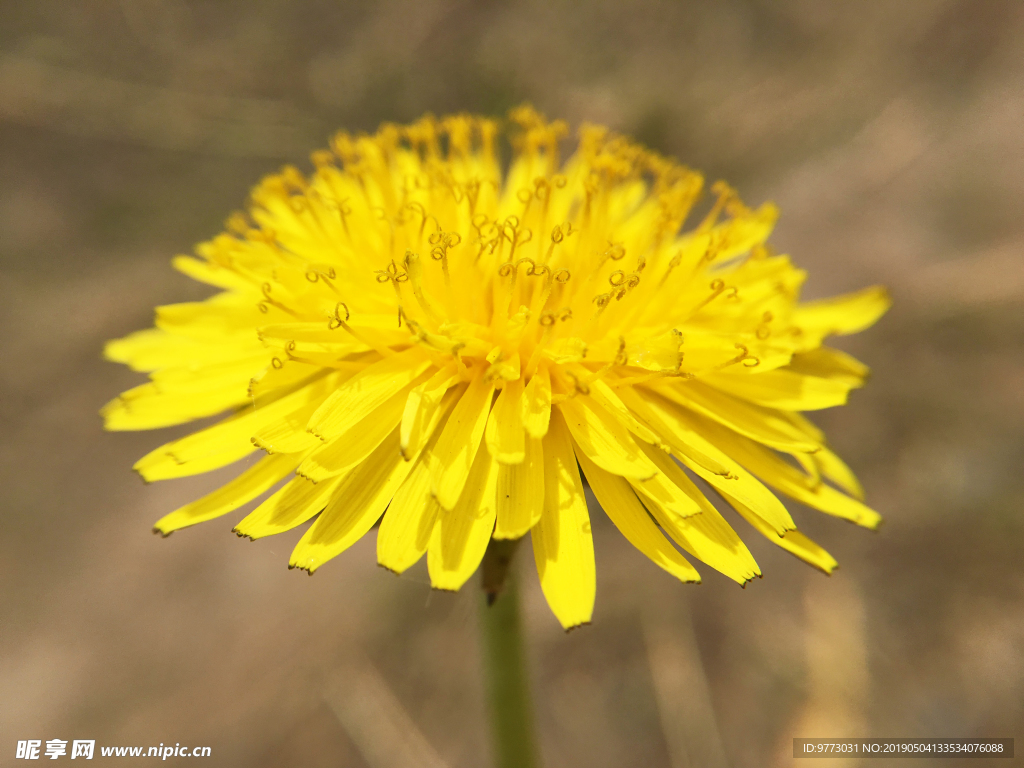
(666, 487)
(563, 545)
(224, 315)
(460, 535)
(358, 441)
(793, 542)
(452, 456)
(230, 439)
(257, 479)
(740, 234)
(537, 404)
(288, 435)
(571, 350)
(668, 428)
(708, 537)
(358, 397)
(421, 405)
(835, 469)
(849, 313)
(286, 375)
(782, 388)
(357, 503)
(604, 439)
(154, 349)
(319, 332)
(613, 404)
(321, 355)
(211, 273)
(809, 466)
(506, 440)
(738, 482)
(293, 505)
(296, 404)
(761, 424)
(167, 468)
(625, 510)
(149, 407)
(233, 368)
(828, 363)
(520, 493)
(805, 426)
(405, 531)
(778, 473)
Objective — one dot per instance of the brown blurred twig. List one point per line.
(838, 679)
(375, 719)
(681, 689)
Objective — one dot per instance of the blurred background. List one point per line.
(888, 132)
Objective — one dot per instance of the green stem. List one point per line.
(508, 687)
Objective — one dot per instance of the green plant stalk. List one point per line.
(507, 680)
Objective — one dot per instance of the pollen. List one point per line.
(445, 323)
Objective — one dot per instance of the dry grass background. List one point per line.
(889, 133)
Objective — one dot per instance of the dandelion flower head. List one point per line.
(418, 335)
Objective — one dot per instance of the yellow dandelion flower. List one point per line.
(410, 333)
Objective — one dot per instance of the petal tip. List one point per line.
(576, 626)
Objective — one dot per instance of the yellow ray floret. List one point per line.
(412, 336)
